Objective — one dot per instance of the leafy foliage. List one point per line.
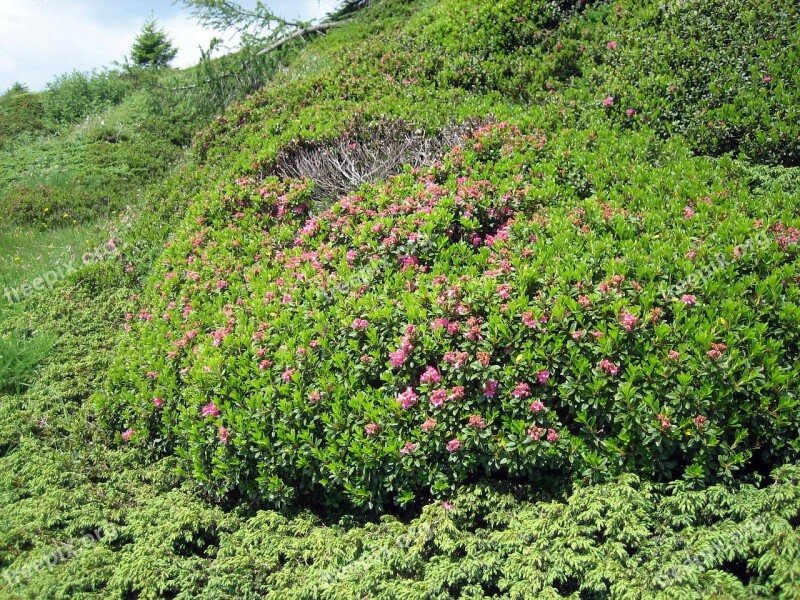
(20, 112)
(487, 316)
(564, 190)
(72, 96)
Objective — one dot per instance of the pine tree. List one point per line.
(152, 48)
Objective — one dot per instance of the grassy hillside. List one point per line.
(473, 300)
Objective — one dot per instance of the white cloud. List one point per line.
(40, 39)
(187, 36)
(44, 39)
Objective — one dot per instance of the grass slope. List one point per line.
(614, 190)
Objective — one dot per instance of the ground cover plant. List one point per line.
(539, 301)
(552, 356)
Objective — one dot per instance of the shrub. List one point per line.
(72, 96)
(474, 318)
(365, 154)
(20, 112)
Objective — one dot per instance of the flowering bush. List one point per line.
(434, 327)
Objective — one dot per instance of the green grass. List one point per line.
(27, 253)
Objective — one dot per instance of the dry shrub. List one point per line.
(367, 152)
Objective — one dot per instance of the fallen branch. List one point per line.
(318, 28)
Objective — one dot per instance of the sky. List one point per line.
(40, 39)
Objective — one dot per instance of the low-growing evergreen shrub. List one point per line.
(475, 318)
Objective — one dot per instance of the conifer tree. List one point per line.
(152, 47)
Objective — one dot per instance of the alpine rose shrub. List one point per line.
(477, 317)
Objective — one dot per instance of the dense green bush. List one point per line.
(475, 318)
(605, 197)
(20, 112)
(72, 96)
(635, 307)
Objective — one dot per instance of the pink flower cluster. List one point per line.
(430, 376)
(628, 320)
(210, 410)
(360, 324)
(608, 367)
(399, 356)
(536, 433)
(407, 399)
(522, 390)
(476, 422)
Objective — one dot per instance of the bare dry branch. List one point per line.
(318, 28)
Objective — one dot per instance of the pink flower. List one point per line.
(691, 254)
(552, 435)
(609, 101)
(158, 402)
(535, 432)
(628, 320)
(127, 434)
(578, 334)
(674, 355)
(407, 399)
(409, 448)
(454, 445)
(477, 422)
(608, 367)
(537, 406)
(371, 429)
(490, 389)
(314, 397)
(360, 324)
(630, 112)
(522, 390)
(457, 393)
(716, 351)
(664, 421)
(223, 434)
(428, 425)
(440, 323)
(528, 320)
(210, 410)
(688, 299)
(700, 421)
(688, 212)
(597, 334)
(447, 505)
(397, 358)
(456, 359)
(503, 290)
(611, 45)
(287, 375)
(584, 301)
(431, 375)
(542, 376)
(767, 79)
(438, 397)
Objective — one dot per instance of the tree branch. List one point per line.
(318, 28)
